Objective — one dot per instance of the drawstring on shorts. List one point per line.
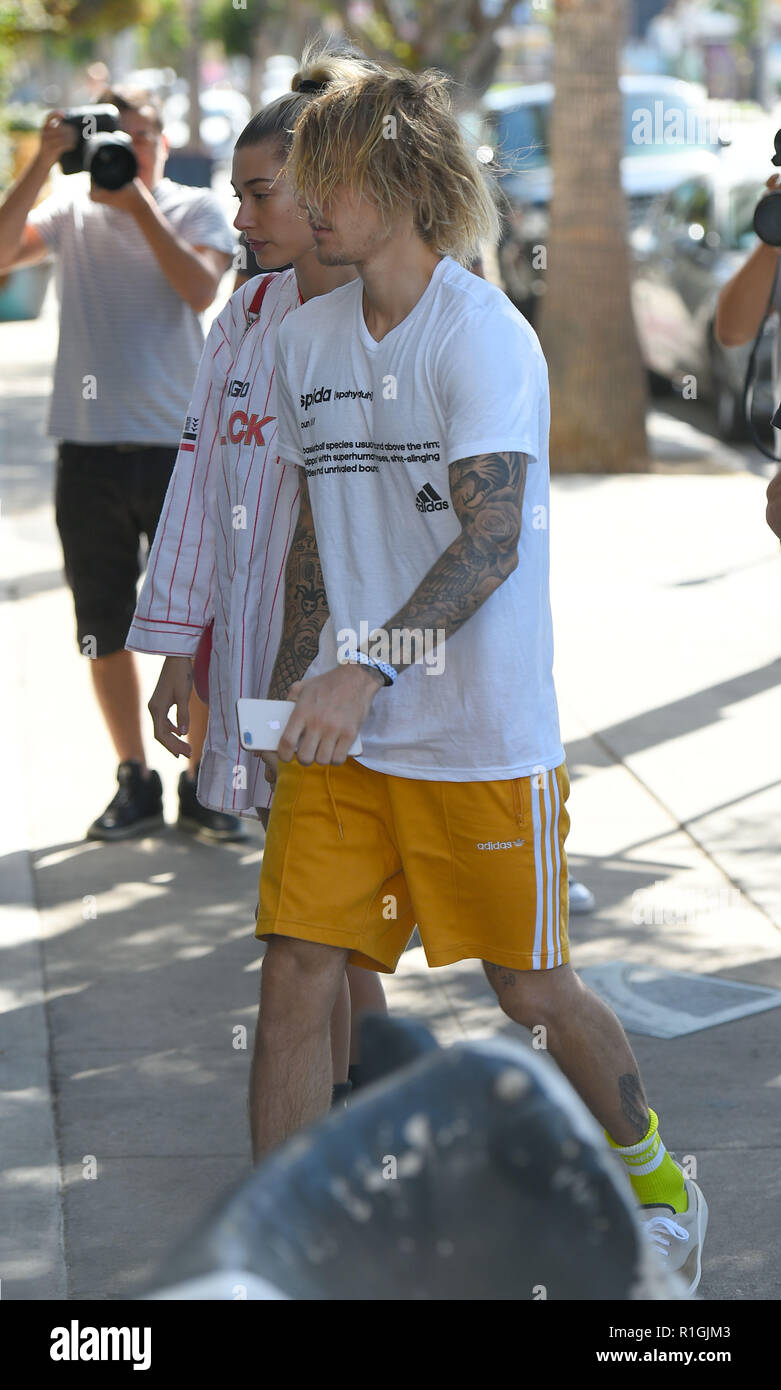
(333, 800)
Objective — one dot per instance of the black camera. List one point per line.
(767, 217)
(104, 151)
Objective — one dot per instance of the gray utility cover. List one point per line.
(668, 1003)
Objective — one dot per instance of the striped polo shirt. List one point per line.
(129, 345)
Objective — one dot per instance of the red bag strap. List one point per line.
(259, 296)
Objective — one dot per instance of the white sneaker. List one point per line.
(678, 1236)
(581, 898)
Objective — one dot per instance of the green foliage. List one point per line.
(71, 23)
(165, 38)
(748, 13)
(22, 19)
(237, 28)
(106, 16)
(25, 19)
(455, 35)
(383, 37)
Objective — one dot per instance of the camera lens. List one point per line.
(110, 160)
(767, 219)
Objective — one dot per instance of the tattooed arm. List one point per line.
(306, 606)
(487, 492)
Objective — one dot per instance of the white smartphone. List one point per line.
(262, 723)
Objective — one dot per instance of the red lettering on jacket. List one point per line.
(247, 429)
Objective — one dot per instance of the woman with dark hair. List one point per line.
(217, 564)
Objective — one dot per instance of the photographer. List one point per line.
(739, 312)
(136, 266)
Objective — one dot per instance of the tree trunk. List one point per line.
(598, 384)
(302, 21)
(261, 52)
(193, 65)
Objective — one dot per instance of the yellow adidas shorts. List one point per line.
(355, 858)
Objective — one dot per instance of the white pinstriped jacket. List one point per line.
(222, 541)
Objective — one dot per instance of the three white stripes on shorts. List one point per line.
(546, 808)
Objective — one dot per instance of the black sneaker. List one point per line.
(199, 820)
(136, 808)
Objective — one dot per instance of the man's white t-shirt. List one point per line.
(129, 344)
(376, 425)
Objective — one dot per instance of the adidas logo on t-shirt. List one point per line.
(429, 500)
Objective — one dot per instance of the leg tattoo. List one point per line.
(633, 1103)
(499, 974)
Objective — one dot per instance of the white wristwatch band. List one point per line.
(388, 673)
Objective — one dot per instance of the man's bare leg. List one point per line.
(584, 1037)
(341, 1033)
(291, 1075)
(341, 1030)
(115, 681)
(118, 693)
(367, 996)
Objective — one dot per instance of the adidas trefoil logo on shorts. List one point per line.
(429, 500)
(499, 844)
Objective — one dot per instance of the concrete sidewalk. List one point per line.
(128, 970)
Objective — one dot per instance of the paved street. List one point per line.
(127, 968)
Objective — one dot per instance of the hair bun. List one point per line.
(310, 85)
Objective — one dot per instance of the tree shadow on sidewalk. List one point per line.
(151, 979)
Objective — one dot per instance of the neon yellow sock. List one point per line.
(654, 1176)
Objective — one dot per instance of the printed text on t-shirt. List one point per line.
(365, 456)
(323, 394)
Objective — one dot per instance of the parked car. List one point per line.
(693, 241)
(667, 133)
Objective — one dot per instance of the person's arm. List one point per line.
(306, 605)
(176, 600)
(173, 690)
(743, 301)
(20, 243)
(773, 511)
(193, 271)
(487, 493)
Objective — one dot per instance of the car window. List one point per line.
(662, 124)
(652, 124)
(522, 138)
(670, 208)
(695, 205)
(689, 205)
(743, 199)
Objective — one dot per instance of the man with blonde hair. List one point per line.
(415, 402)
